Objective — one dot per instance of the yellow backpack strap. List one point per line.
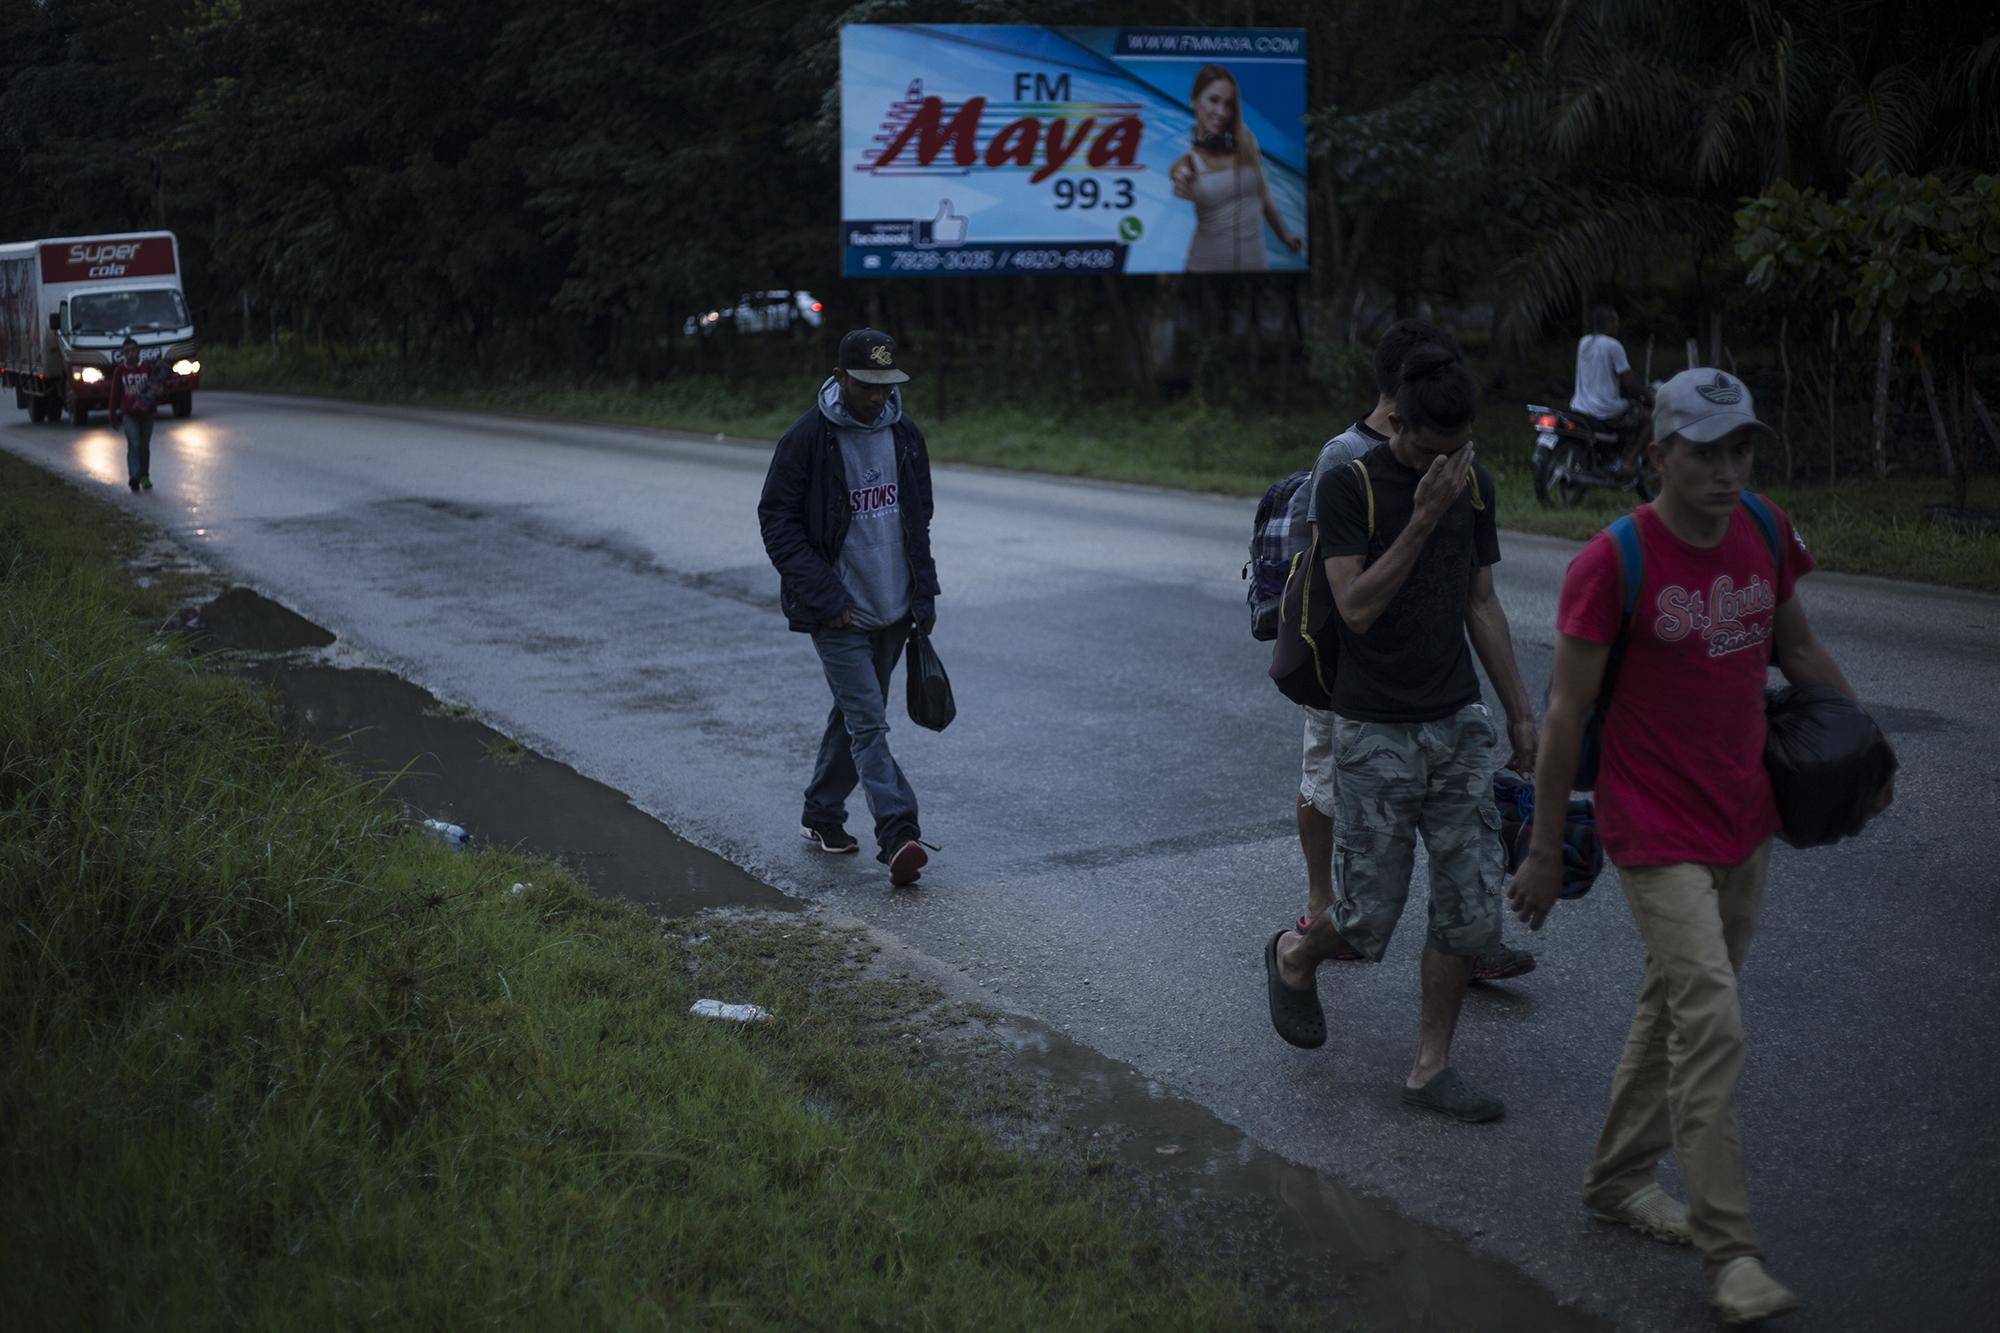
(1367, 493)
(1472, 481)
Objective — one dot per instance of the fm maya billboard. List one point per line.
(986, 149)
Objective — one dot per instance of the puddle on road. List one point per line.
(1298, 1233)
(457, 769)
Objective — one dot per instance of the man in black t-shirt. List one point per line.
(1409, 554)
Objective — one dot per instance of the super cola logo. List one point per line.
(1041, 137)
(105, 259)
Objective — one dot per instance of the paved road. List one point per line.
(1115, 809)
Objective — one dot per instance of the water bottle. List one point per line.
(735, 1013)
(451, 835)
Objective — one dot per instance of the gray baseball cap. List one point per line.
(1703, 405)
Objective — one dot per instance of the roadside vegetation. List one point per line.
(1229, 445)
(271, 1059)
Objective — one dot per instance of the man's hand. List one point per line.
(1526, 739)
(841, 621)
(1441, 483)
(1532, 891)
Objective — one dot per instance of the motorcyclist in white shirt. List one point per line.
(1607, 388)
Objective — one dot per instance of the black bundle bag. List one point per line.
(929, 695)
(1828, 763)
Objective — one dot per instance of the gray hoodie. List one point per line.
(873, 564)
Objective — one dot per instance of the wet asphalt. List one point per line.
(1114, 807)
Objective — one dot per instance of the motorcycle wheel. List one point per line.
(1647, 484)
(1553, 470)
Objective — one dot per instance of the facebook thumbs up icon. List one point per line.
(947, 228)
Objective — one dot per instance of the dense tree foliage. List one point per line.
(520, 185)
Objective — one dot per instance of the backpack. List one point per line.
(1624, 534)
(1307, 649)
(1276, 537)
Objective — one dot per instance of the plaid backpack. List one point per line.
(1276, 537)
(1582, 852)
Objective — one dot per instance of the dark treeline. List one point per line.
(516, 187)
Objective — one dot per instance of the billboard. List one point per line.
(985, 149)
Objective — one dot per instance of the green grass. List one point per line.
(1233, 448)
(270, 1059)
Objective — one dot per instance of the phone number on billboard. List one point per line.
(1000, 259)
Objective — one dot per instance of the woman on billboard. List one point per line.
(1223, 176)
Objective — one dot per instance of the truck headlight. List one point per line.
(89, 375)
(186, 367)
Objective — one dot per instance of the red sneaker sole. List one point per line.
(907, 865)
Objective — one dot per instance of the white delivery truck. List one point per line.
(67, 304)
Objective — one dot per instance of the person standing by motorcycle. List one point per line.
(1607, 390)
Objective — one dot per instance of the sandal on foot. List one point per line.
(1502, 964)
(1651, 1211)
(1448, 1094)
(1294, 1013)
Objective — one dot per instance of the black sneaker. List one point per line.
(145, 483)
(829, 838)
(134, 484)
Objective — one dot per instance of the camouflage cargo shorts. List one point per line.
(1401, 780)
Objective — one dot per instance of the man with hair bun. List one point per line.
(1409, 538)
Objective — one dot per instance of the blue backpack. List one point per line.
(1624, 534)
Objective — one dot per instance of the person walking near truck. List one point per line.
(846, 520)
(135, 403)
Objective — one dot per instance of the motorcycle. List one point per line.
(1573, 453)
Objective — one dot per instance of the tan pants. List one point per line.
(1676, 1084)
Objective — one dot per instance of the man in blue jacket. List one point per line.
(846, 518)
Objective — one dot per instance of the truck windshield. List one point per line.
(128, 312)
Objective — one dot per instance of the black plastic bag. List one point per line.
(1828, 763)
(929, 695)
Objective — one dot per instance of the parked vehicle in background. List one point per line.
(761, 312)
(1574, 452)
(67, 303)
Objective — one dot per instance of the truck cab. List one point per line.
(85, 296)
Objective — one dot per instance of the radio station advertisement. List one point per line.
(999, 150)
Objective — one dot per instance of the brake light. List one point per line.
(817, 307)
(1545, 422)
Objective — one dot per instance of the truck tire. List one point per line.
(79, 415)
(183, 405)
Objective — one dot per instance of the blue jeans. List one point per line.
(138, 446)
(855, 747)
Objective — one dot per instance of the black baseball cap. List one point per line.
(870, 356)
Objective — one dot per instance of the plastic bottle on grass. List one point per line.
(735, 1013)
(451, 835)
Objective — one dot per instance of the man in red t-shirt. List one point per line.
(135, 402)
(1685, 810)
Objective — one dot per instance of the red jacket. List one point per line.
(135, 390)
